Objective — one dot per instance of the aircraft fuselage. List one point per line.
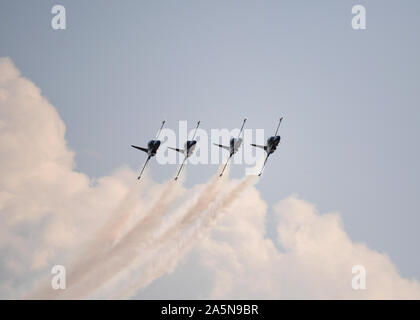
(234, 145)
(272, 144)
(189, 147)
(152, 147)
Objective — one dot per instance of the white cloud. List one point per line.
(47, 210)
(315, 260)
(50, 214)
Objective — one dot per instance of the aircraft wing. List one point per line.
(258, 146)
(140, 148)
(176, 149)
(265, 161)
(222, 146)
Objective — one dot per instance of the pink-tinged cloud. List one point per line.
(113, 234)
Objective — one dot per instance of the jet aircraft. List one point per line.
(189, 147)
(233, 147)
(152, 147)
(271, 146)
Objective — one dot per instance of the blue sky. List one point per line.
(350, 98)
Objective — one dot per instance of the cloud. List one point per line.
(48, 211)
(315, 260)
(51, 214)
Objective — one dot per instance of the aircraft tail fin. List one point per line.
(176, 149)
(221, 146)
(140, 148)
(258, 146)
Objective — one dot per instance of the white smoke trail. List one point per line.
(169, 250)
(101, 247)
(102, 265)
(206, 197)
(184, 218)
(126, 250)
(100, 242)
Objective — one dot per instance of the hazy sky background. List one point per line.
(350, 98)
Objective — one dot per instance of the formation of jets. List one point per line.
(189, 146)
